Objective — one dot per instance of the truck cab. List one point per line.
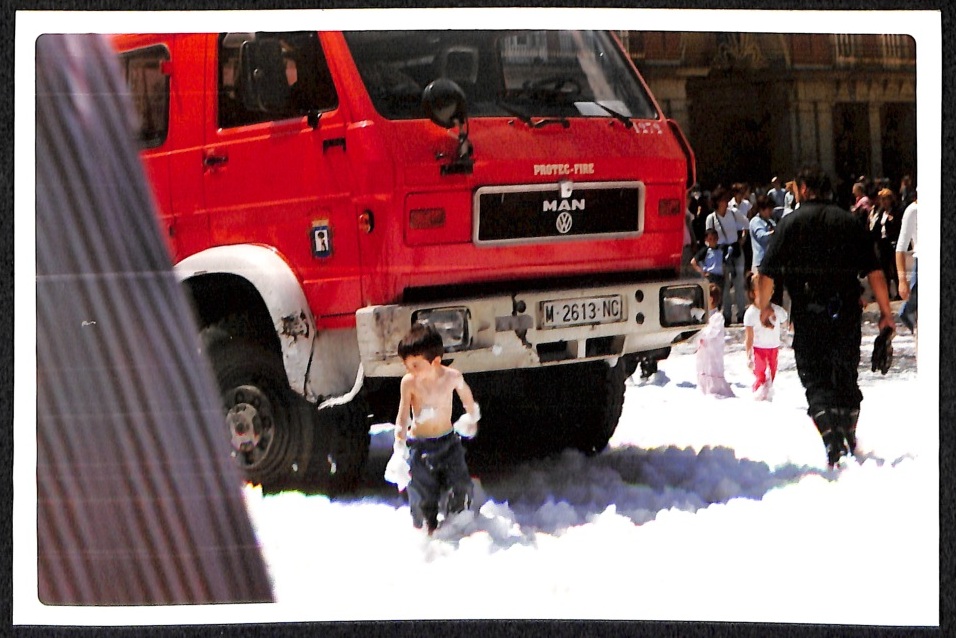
(322, 191)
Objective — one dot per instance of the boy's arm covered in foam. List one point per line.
(404, 409)
(467, 424)
(397, 470)
(467, 398)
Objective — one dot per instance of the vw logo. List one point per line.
(563, 222)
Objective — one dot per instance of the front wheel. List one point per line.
(266, 422)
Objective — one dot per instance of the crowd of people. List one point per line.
(752, 214)
(790, 256)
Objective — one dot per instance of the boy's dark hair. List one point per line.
(711, 231)
(423, 340)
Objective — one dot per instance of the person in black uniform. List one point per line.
(818, 252)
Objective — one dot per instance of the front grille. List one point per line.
(554, 212)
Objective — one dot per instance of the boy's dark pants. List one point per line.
(438, 468)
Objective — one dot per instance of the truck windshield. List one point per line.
(503, 73)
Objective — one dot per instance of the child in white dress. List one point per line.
(710, 350)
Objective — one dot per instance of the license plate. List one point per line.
(561, 313)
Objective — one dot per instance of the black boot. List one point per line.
(835, 446)
(828, 423)
(850, 430)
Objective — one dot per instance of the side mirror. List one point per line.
(263, 85)
(444, 102)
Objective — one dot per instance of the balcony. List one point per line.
(890, 51)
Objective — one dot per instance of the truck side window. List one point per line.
(306, 71)
(149, 89)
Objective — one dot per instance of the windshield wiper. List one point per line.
(620, 117)
(544, 121)
(527, 119)
(521, 115)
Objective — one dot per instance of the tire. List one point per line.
(599, 420)
(535, 413)
(264, 419)
(341, 447)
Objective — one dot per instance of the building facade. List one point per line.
(755, 105)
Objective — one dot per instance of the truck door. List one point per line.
(274, 163)
(164, 75)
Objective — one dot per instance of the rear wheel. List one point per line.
(602, 411)
(267, 423)
(533, 413)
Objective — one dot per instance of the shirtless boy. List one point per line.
(428, 454)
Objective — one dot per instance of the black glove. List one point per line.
(882, 351)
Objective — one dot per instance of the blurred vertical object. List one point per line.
(139, 501)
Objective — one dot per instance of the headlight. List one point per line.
(683, 306)
(452, 324)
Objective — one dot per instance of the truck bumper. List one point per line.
(537, 328)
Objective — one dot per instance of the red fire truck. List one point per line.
(323, 191)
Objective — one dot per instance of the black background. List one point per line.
(490, 629)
